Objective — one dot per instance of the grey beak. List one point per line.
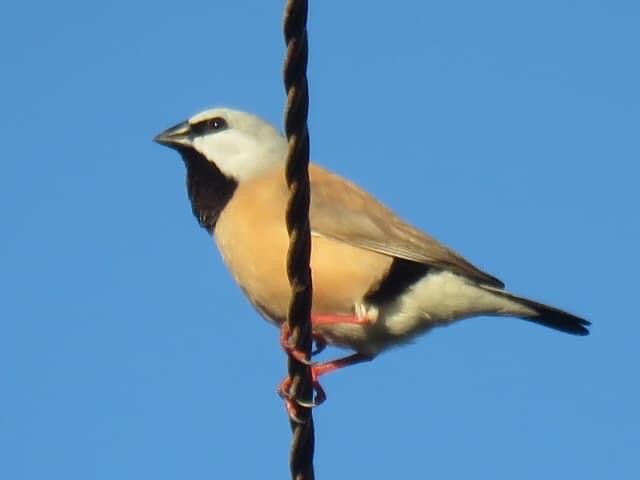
(176, 136)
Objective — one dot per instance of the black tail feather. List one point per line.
(552, 317)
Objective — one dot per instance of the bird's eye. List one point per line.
(210, 125)
(217, 123)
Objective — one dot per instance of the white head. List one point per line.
(241, 145)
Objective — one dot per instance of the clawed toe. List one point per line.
(320, 343)
(285, 337)
(292, 404)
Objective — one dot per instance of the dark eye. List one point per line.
(210, 125)
(217, 123)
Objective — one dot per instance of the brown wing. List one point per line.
(342, 211)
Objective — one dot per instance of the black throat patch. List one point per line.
(208, 188)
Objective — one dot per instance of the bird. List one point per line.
(378, 282)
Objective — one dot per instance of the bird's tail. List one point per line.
(543, 314)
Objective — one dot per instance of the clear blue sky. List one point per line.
(507, 129)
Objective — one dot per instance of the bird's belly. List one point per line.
(255, 253)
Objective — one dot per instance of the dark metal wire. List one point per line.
(297, 218)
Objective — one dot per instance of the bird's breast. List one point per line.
(253, 240)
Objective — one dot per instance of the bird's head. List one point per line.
(239, 144)
(222, 148)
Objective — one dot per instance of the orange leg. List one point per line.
(322, 368)
(316, 320)
(318, 369)
(334, 319)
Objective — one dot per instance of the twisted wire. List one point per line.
(297, 219)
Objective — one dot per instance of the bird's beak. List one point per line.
(176, 136)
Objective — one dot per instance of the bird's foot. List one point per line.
(285, 342)
(293, 404)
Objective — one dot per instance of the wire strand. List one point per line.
(297, 219)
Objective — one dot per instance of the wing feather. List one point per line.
(342, 211)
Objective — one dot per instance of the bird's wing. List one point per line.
(342, 211)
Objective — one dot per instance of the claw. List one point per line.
(321, 344)
(317, 370)
(292, 404)
(285, 336)
(318, 393)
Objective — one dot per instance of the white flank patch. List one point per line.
(442, 297)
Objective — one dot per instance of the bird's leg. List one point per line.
(322, 368)
(361, 316)
(317, 370)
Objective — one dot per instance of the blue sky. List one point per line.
(509, 130)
